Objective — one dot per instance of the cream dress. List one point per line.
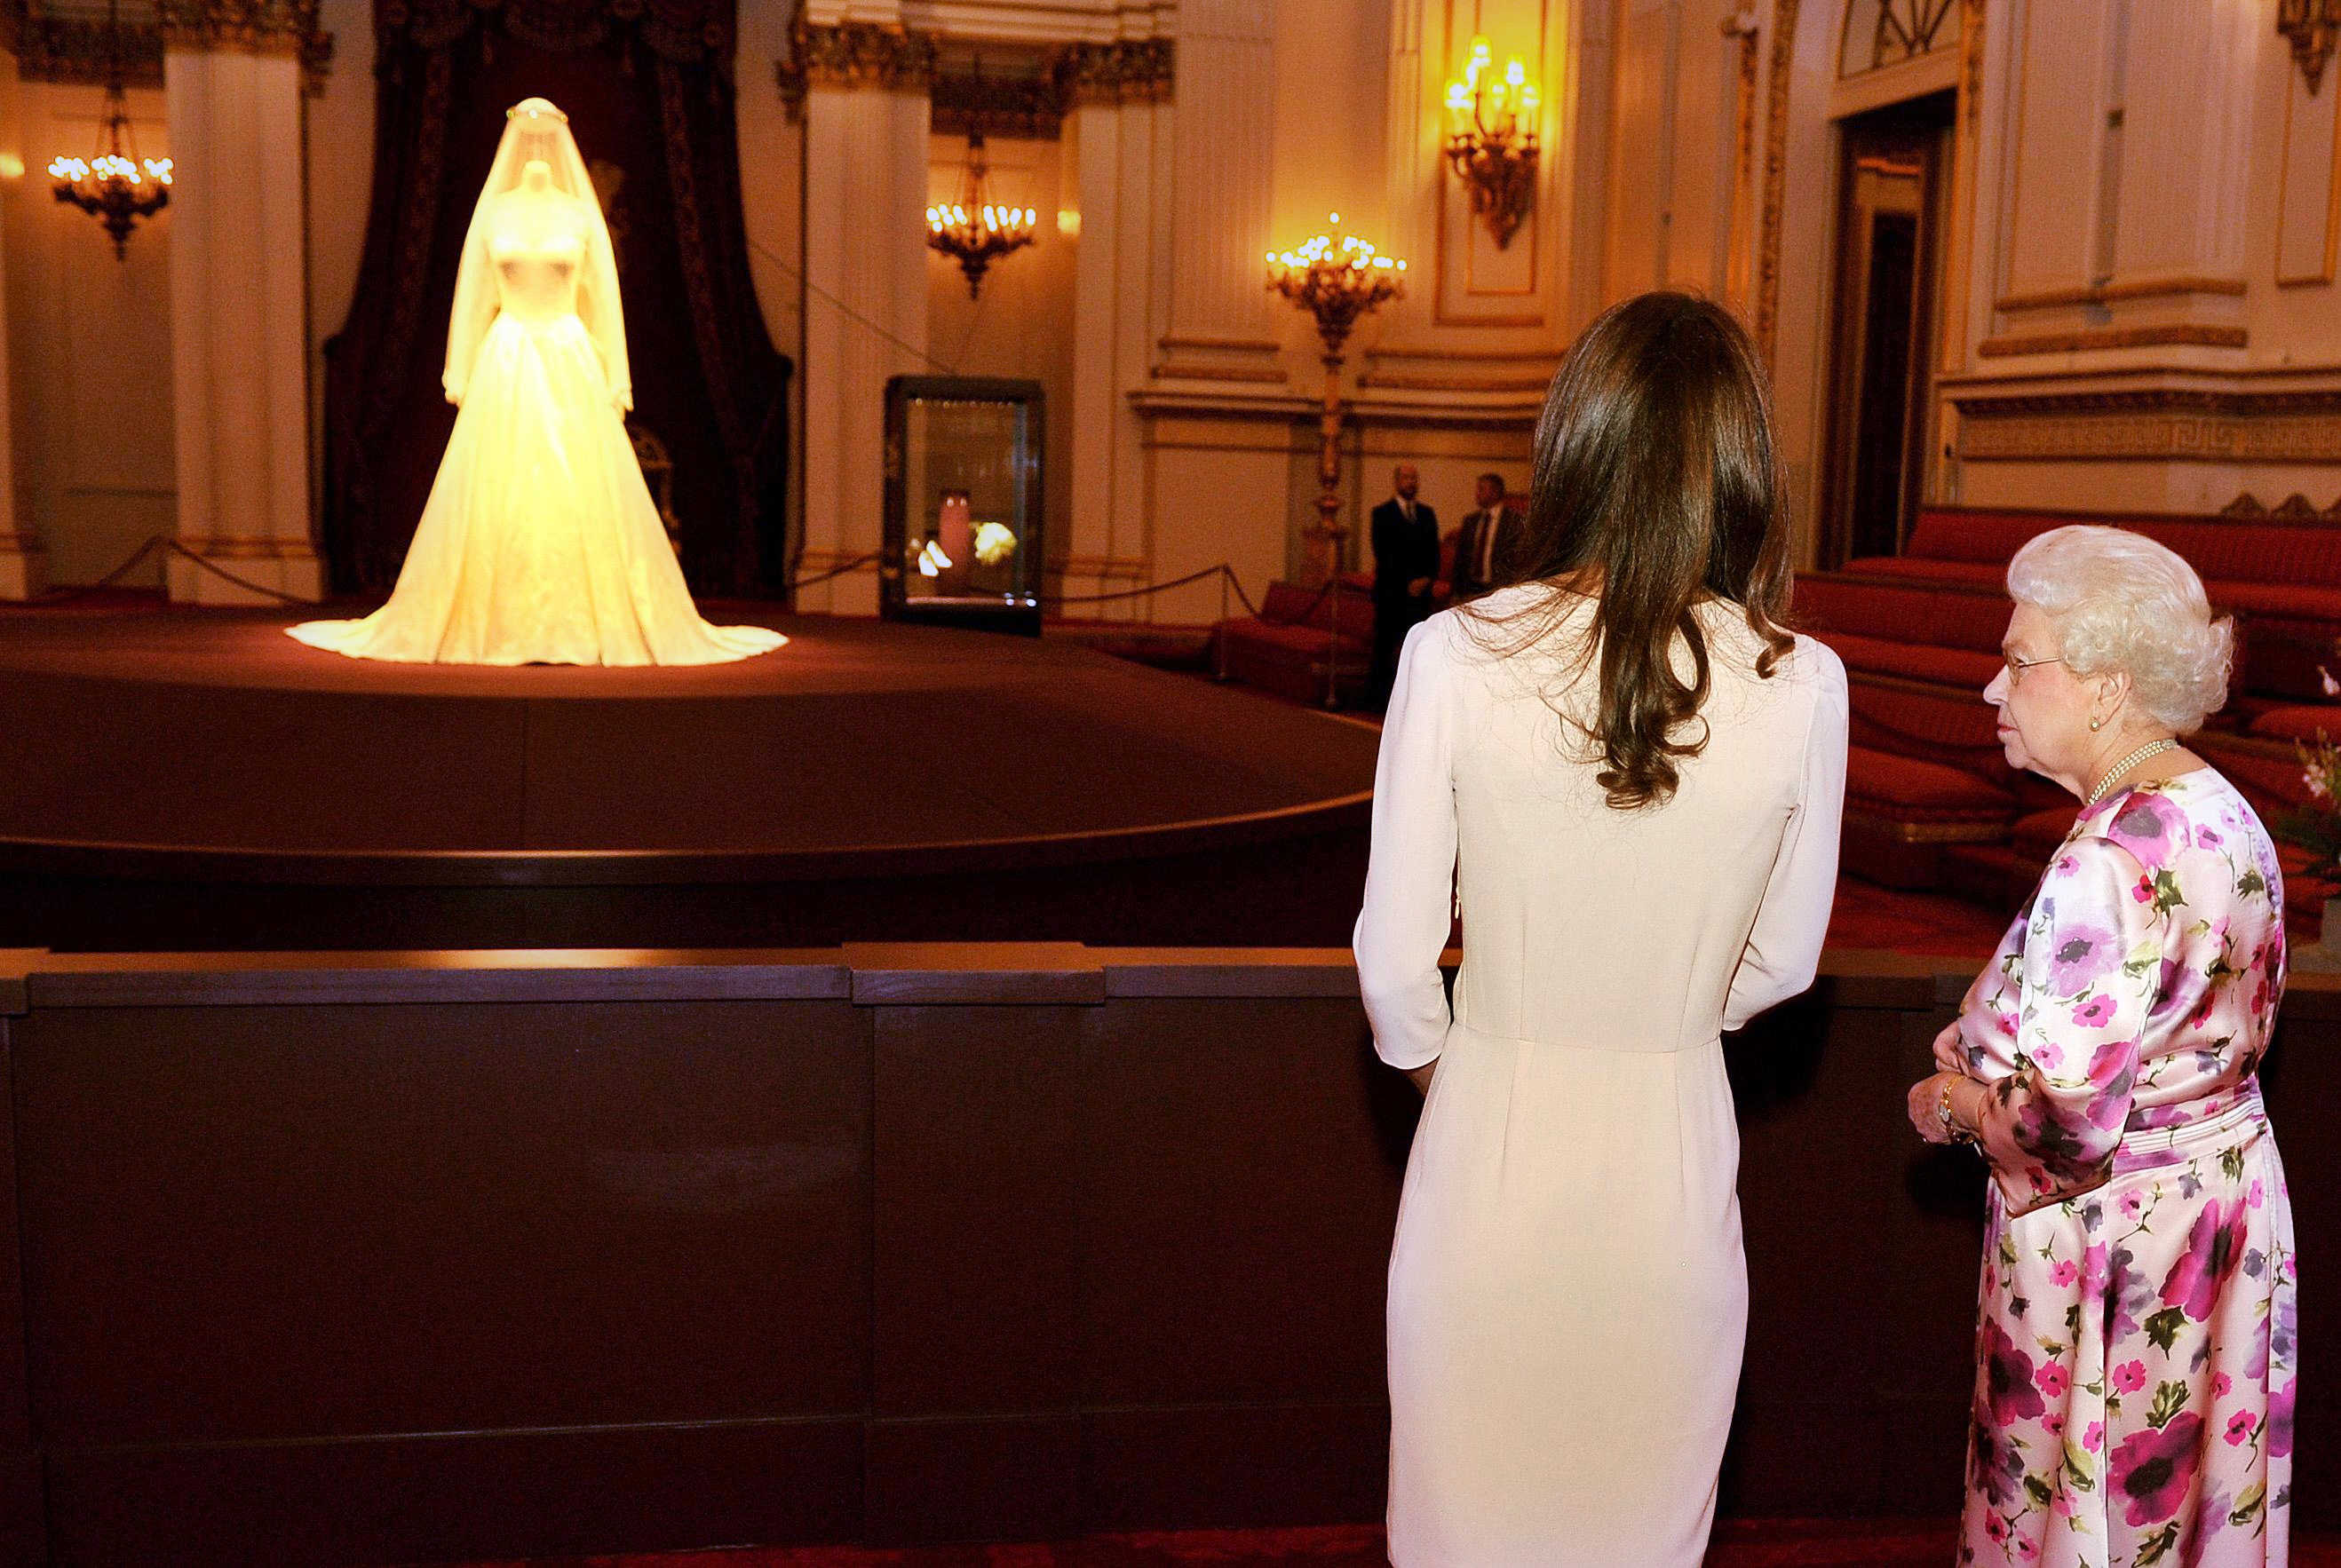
(539, 543)
(1567, 1295)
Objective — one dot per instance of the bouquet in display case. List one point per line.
(963, 489)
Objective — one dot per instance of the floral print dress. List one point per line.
(2135, 1349)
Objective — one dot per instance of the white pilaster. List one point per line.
(238, 324)
(1118, 317)
(1225, 158)
(865, 315)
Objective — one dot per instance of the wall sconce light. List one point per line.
(2311, 27)
(1491, 139)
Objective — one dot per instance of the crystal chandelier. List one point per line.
(114, 186)
(1492, 141)
(975, 230)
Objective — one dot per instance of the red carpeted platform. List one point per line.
(198, 780)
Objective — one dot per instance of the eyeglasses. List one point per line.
(2017, 667)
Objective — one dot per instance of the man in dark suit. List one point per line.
(1406, 563)
(1479, 546)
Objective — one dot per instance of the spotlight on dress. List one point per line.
(539, 543)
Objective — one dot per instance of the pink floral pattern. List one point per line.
(2135, 1354)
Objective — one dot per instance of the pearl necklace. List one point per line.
(2125, 765)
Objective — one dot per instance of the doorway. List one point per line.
(1893, 177)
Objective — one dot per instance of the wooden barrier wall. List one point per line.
(381, 1258)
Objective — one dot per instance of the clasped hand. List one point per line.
(1926, 1096)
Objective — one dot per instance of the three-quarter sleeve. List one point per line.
(1784, 946)
(1410, 875)
(2092, 960)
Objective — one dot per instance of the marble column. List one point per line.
(862, 89)
(238, 309)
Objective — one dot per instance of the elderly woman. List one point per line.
(2134, 1391)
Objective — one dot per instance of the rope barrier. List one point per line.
(856, 564)
(1222, 571)
(170, 547)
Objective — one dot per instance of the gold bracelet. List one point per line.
(1951, 1129)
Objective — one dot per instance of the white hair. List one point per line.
(2123, 603)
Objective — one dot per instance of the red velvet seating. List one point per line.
(1924, 770)
(1285, 648)
(2280, 576)
(2304, 722)
(1948, 635)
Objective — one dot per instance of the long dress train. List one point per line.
(540, 543)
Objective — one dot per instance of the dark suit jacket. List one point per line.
(1403, 552)
(1467, 579)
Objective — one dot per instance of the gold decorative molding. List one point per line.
(2311, 27)
(2152, 424)
(1174, 369)
(1133, 71)
(2087, 338)
(73, 50)
(1744, 26)
(2134, 289)
(854, 55)
(1971, 16)
(1929, 832)
(1776, 174)
(250, 547)
(1410, 382)
(2293, 508)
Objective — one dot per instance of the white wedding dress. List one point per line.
(539, 543)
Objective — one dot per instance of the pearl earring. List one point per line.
(2096, 724)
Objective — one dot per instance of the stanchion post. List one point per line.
(1333, 640)
(1218, 632)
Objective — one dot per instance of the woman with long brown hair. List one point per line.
(1627, 777)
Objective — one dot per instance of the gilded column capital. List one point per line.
(1130, 71)
(75, 51)
(251, 27)
(854, 55)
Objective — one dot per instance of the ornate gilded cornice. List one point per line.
(1136, 71)
(685, 31)
(883, 55)
(73, 50)
(1033, 107)
(857, 55)
(251, 27)
(2163, 424)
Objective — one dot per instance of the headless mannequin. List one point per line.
(534, 218)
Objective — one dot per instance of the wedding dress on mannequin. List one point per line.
(539, 543)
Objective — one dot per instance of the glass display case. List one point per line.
(962, 540)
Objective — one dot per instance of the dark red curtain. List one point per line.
(647, 86)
